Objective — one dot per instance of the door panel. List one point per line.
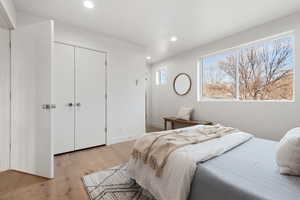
(63, 96)
(90, 93)
(31, 89)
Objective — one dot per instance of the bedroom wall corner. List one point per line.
(148, 95)
(269, 120)
(7, 14)
(4, 100)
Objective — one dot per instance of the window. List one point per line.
(259, 71)
(161, 76)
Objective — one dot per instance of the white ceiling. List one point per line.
(151, 23)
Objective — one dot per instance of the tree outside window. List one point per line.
(260, 71)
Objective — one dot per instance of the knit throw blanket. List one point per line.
(154, 148)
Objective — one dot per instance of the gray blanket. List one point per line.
(248, 172)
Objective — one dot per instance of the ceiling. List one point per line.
(151, 23)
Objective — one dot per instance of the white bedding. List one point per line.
(174, 184)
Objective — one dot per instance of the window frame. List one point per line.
(200, 74)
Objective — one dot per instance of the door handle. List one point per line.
(78, 104)
(48, 106)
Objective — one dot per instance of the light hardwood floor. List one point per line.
(69, 168)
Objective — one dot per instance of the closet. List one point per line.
(79, 95)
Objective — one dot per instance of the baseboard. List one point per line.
(158, 125)
(4, 167)
(121, 139)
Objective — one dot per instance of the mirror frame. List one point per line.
(190, 87)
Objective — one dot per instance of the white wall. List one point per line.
(4, 99)
(126, 64)
(7, 14)
(266, 120)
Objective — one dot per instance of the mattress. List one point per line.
(248, 172)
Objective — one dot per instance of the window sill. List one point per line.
(246, 101)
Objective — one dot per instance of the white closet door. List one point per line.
(63, 74)
(31, 97)
(90, 94)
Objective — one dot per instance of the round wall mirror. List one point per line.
(182, 84)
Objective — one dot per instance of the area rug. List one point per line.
(114, 184)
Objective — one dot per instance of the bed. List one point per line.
(247, 172)
(237, 166)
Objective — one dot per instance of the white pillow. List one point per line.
(288, 153)
(184, 113)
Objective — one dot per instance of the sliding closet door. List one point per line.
(90, 98)
(4, 99)
(31, 99)
(63, 74)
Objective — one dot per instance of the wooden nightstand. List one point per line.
(174, 120)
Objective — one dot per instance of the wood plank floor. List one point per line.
(69, 168)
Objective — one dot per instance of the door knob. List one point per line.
(70, 104)
(78, 104)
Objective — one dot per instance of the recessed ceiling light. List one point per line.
(88, 4)
(148, 58)
(173, 39)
